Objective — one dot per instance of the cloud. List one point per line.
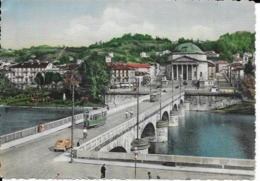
(113, 22)
(201, 32)
(86, 22)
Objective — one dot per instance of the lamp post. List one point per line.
(135, 154)
(137, 112)
(172, 93)
(72, 123)
(160, 98)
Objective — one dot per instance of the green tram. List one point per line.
(155, 97)
(95, 117)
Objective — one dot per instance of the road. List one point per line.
(35, 159)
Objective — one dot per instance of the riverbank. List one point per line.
(246, 108)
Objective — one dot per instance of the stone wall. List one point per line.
(203, 103)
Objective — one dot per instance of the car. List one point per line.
(62, 144)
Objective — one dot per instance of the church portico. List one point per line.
(188, 71)
(188, 63)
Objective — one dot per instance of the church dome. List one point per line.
(187, 48)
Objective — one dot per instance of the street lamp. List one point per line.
(160, 98)
(137, 112)
(136, 151)
(72, 123)
(72, 81)
(172, 93)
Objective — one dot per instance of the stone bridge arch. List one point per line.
(181, 104)
(149, 132)
(165, 116)
(118, 149)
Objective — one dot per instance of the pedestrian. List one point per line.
(131, 113)
(149, 175)
(126, 114)
(85, 133)
(158, 177)
(103, 171)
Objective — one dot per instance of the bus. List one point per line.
(95, 117)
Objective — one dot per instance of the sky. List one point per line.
(27, 23)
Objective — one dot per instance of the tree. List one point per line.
(48, 77)
(39, 79)
(56, 77)
(249, 68)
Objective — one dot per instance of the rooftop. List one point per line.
(188, 48)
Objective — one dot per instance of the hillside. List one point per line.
(128, 48)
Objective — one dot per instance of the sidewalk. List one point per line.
(165, 172)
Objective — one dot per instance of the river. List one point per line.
(17, 118)
(198, 133)
(211, 135)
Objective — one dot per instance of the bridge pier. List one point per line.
(173, 118)
(162, 131)
(142, 145)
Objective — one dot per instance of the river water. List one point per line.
(17, 118)
(211, 135)
(198, 133)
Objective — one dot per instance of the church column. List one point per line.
(177, 69)
(182, 71)
(197, 72)
(187, 70)
(172, 72)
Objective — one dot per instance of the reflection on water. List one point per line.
(18, 118)
(212, 135)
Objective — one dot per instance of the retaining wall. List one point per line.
(173, 160)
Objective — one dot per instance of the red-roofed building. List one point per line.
(121, 73)
(24, 73)
(128, 72)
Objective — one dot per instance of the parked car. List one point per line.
(62, 144)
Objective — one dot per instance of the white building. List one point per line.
(24, 73)
(143, 55)
(188, 61)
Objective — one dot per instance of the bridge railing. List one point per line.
(110, 135)
(34, 130)
(176, 160)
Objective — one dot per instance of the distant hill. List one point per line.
(128, 48)
(228, 44)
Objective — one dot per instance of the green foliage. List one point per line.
(95, 75)
(249, 68)
(39, 79)
(227, 44)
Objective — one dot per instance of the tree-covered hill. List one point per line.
(227, 44)
(128, 48)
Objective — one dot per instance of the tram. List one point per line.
(95, 117)
(155, 97)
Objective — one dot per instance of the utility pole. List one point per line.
(137, 122)
(161, 99)
(72, 123)
(172, 93)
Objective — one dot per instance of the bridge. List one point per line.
(105, 142)
(150, 124)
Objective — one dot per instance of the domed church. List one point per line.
(189, 62)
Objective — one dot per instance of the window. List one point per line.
(200, 74)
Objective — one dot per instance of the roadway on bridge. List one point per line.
(35, 159)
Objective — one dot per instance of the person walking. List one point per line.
(131, 113)
(103, 171)
(149, 175)
(85, 133)
(126, 114)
